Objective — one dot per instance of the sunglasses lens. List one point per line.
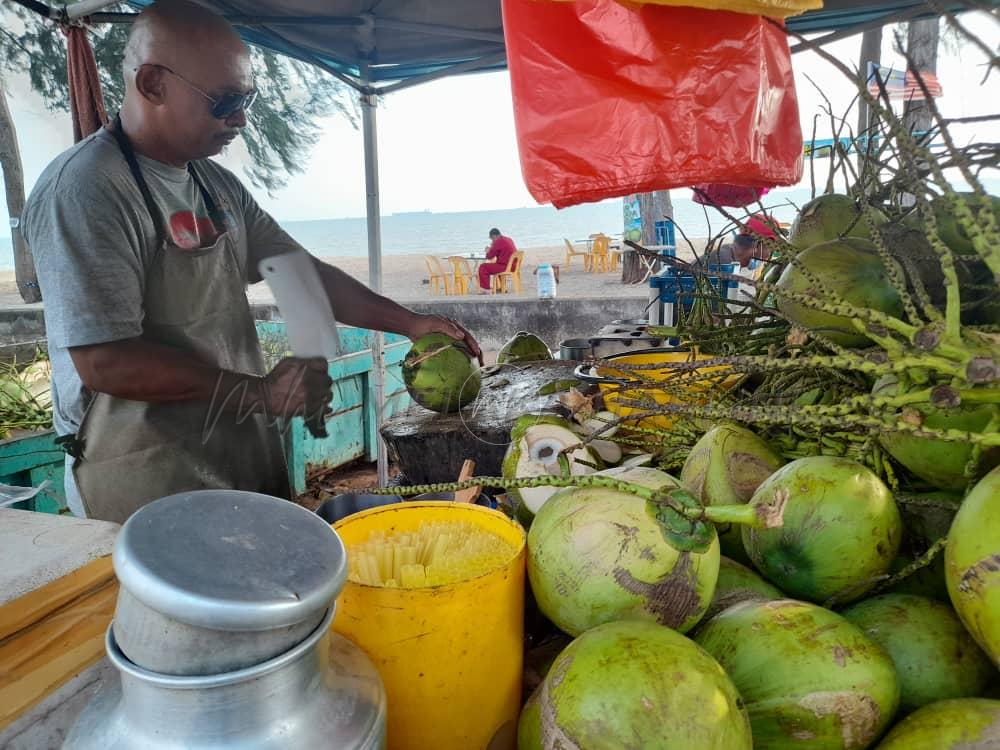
(229, 103)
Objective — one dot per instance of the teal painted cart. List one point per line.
(30, 460)
(352, 426)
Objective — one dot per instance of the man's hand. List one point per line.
(424, 324)
(299, 387)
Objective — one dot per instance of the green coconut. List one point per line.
(972, 564)
(439, 374)
(830, 217)
(635, 685)
(940, 463)
(810, 679)
(950, 231)
(960, 724)
(529, 726)
(737, 583)
(935, 657)
(523, 347)
(847, 270)
(597, 555)
(841, 529)
(725, 467)
(536, 442)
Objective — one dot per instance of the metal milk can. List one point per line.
(221, 636)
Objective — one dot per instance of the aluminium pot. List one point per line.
(322, 693)
(578, 350)
(213, 581)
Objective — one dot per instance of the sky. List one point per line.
(450, 145)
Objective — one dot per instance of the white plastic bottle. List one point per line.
(546, 282)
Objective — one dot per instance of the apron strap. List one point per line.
(133, 164)
(213, 210)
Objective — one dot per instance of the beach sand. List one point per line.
(404, 278)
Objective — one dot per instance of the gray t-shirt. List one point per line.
(93, 239)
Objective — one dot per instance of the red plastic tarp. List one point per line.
(611, 99)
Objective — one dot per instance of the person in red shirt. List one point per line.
(500, 251)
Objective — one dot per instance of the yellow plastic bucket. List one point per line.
(636, 385)
(450, 656)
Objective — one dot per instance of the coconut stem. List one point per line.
(766, 516)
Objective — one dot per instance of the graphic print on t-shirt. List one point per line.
(190, 232)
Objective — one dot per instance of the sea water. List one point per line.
(462, 232)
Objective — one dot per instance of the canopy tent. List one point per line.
(381, 46)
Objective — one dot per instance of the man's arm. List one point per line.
(357, 305)
(137, 369)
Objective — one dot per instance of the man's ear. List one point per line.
(149, 83)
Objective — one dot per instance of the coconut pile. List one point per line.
(819, 566)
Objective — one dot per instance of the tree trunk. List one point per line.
(653, 207)
(430, 448)
(13, 177)
(921, 45)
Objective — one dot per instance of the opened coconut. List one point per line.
(841, 529)
(596, 555)
(439, 373)
(536, 444)
(634, 685)
(830, 217)
(972, 563)
(726, 466)
(935, 657)
(960, 724)
(737, 583)
(940, 463)
(847, 270)
(809, 678)
(523, 347)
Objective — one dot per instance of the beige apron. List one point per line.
(133, 452)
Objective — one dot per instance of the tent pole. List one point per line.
(370, 129)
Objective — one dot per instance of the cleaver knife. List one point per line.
(306, 311)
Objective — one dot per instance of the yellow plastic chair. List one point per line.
(600, 255)
(615, 256)
(438, 278)
(571, 252)
(509, 280)
(462, 274)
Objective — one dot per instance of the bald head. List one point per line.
(180, 61)
(172, 31)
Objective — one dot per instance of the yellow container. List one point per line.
(635, 385)
(450, 656)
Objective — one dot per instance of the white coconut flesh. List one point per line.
(539, 450)
(609, 452)
(643, 459)
(598, 424)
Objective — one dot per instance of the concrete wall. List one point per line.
(21, 330)
(492, 322)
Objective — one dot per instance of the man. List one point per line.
(144, 250)
(500, 250)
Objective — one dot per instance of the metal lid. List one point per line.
(230, 560)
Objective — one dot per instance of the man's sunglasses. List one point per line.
(222, 106)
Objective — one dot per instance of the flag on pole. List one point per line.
(900, 85)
